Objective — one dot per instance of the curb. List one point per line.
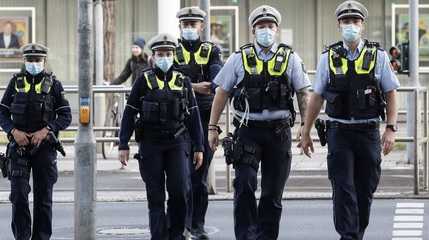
(134, 196)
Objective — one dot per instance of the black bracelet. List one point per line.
(215, 128)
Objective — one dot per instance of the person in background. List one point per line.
(135, 64)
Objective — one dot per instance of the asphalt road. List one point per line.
(301, 220)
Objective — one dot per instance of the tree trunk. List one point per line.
(109, 39)
(109, 25)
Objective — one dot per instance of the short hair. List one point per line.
(393, 49)
(8, 22)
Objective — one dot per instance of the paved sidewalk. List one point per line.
(395, 160)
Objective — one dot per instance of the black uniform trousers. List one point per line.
(44, 171)
(164, 164)
(200, 193)
(354, 158)
(253, 221)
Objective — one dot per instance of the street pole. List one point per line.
(414, 42)
(205, 6)
(98, 40)
(99, 105)
(85, 149)
(414, 77)
(413, 71)
(167, 21)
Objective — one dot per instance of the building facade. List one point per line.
(308, 25)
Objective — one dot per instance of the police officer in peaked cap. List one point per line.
(261, 79)
(168, 120)
(32, 106)
(201, 61)
(355, 79)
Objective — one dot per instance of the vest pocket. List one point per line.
(18, 113)
(175, 110)
(285, 95)
(340, 83)
(48, 111)
(150, 111)
(36, 111)
(254, 96)
(335, 104)
(372, 96)
(178, 110)
(272, 95)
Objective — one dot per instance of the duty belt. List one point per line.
(351, 126)
(163, 134)
(265, 124)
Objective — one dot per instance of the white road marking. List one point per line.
(401, 238)
(410, 205)
(407, 233)
(409, 211)
(408, 225)
(408, 221)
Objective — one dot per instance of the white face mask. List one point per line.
(34, 68)
(350, 32)
(190, 34)
(164, 63)
(265, 36)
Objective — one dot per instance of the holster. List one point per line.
(243, 152)
(4, 165)
(227, 145)
(138, 130)
(320, 126)
(19, 161)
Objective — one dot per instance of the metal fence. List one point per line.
(420, 135)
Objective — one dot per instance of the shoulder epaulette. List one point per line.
(336, 45)
(246, 46)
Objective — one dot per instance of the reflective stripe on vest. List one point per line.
(197, 55)
(359, 62)
(171, 82)
(27, 86)
(340, 69)
(282, 55)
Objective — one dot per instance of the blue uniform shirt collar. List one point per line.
(355, 54)
(265, 56)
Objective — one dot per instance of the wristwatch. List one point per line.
(392, 127)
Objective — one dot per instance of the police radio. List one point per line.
(279, 61)
(204, 51)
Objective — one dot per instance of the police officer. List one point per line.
(355, 79)
(261, 79)
(32, 106)
(168, 120)
(201, 61)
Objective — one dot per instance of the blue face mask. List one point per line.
(350, 32)
(190, 34)
(265, 36)
(164, 63)
(34, 68)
